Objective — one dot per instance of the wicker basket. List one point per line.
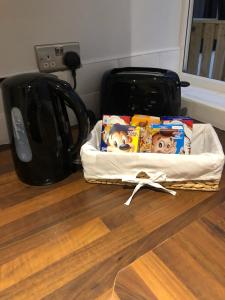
(207, 186)
(200, 171)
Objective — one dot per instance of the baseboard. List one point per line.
(4, 147)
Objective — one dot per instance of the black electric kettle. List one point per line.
(39, 129)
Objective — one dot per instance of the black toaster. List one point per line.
(136, 90)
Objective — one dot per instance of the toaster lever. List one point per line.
(184, 83)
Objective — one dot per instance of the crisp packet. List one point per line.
(144, 122)
(188, 127)
(167, 138)
(120, 138)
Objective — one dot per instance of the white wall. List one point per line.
(111, 33)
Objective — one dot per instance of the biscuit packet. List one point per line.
(120, 138)
(167, 138)
(188, 128)
(145, 122)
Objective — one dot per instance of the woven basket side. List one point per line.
(182, 185)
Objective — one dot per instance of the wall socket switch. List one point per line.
(50, 56)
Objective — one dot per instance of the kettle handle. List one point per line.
(73, 100)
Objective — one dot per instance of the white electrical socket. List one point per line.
(50, 56)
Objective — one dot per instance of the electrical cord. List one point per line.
(74, 76)
(72, 60)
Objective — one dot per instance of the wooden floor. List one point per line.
(69, 241)
(188, 266)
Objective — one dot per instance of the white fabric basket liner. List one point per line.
(204, 164)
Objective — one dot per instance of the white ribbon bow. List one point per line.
(150, 182)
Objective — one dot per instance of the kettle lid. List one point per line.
(26, 78)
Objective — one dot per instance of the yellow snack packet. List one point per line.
(145, 122)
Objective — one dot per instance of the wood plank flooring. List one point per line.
(69, 240)
(189, 265)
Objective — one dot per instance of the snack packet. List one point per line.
(144, 122)
(120, 138)
(113, 119)
(167, 138)
(188, 128)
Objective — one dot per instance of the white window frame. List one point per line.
(198, 81)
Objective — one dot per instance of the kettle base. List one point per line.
(44, 182)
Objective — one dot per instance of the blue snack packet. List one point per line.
(188, 127)
(167, 138)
